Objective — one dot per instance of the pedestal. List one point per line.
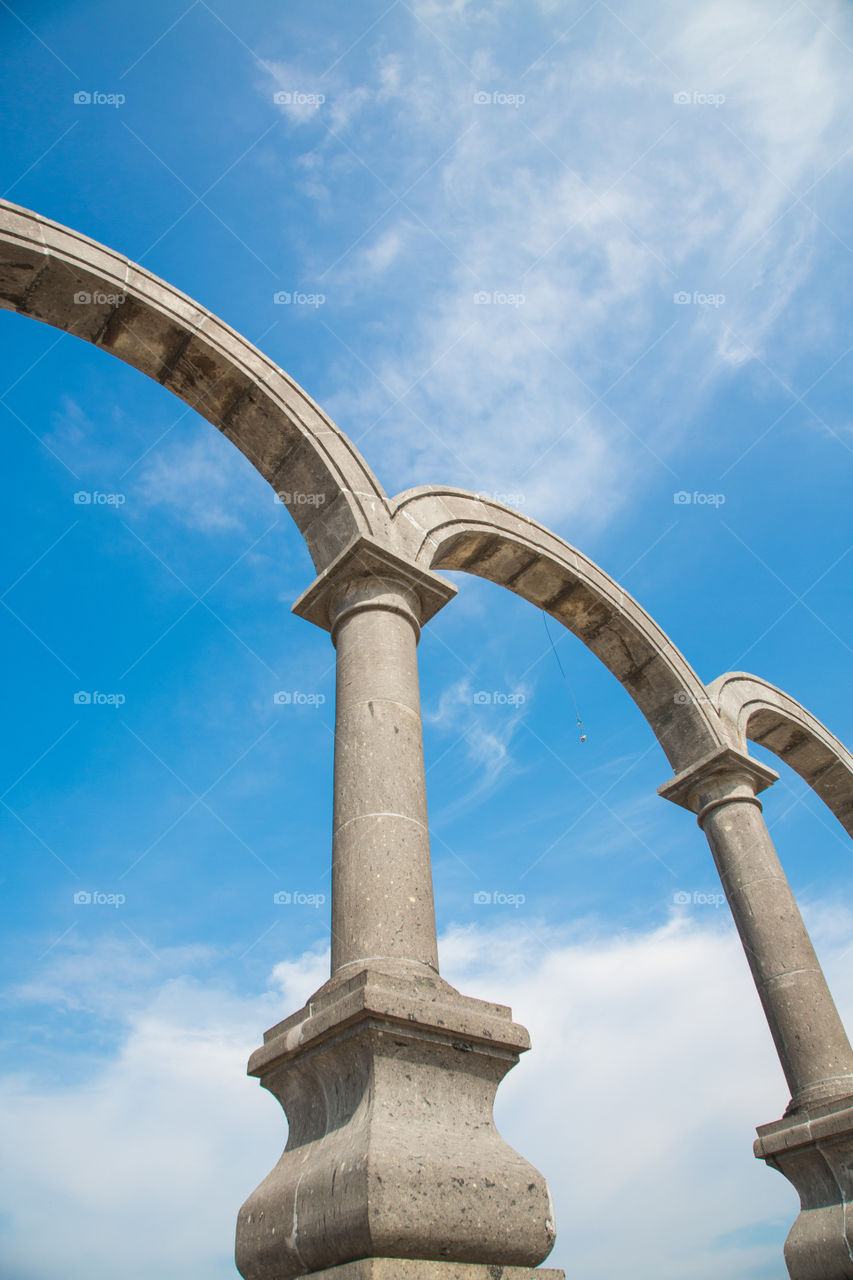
(813, 1148)
(388, 1082)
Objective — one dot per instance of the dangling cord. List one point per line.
(565, 677)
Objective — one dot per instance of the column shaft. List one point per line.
(382, 897)
(813, 1047)
(808, 1033)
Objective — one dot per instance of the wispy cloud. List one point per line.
(481, 724)
(199, 481)
(651, 155)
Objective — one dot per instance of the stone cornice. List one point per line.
(365, 558)
(724, 769)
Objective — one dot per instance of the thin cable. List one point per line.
(565, 677)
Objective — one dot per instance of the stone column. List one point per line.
(382, 901)
(813, 1144)
(393, 1169)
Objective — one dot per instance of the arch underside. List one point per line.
(756, 710)
(451, 529)
(44, 268)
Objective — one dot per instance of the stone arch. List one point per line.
(754, 709)
(453, 529)
(45, 267)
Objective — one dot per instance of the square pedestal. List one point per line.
(407, 1269)
(389, 1084)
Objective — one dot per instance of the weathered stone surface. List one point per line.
(388, 1083)
(388, 1075)
(814, 1151)
(44, 266)
(753, 709)
(813, 1144)
(405, 1269)
(810, 1039)
(382, 897)
(451, 530)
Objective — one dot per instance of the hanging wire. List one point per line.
(565, 677)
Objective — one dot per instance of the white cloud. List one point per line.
(486, 720)
(597, 199)
(200, 481)
(651, 1065)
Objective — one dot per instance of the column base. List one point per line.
(388, 1081)
(407, 1269)
(813, 1148)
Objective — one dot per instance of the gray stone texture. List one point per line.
(388, 1075)
(405, 1269)
(388, 1082)
(382, 895)
(756, 710)
(814, 1150)
(810, 1039)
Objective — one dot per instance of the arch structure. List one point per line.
(386, 1031)
(64, 279)
(754, 709)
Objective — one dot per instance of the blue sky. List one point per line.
(653, 200)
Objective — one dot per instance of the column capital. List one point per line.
(363, 559)
(722, 776)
